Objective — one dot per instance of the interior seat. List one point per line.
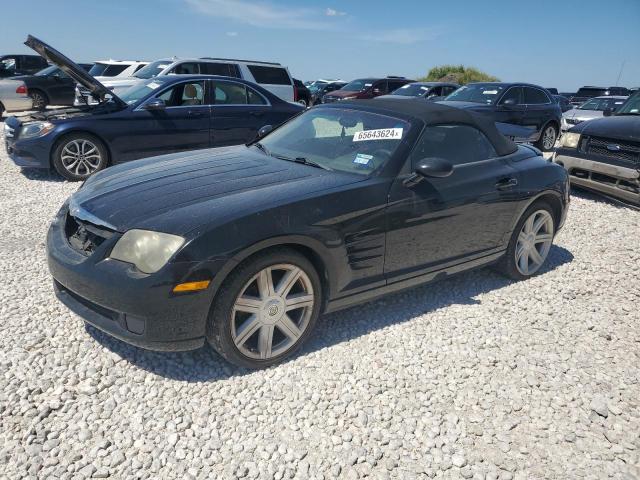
(190, 95)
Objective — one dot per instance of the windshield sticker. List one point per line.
(405, 86)
(368, 84)
(163, 66)
(424, 88)
(380, 134)
(363, 159)
(153, 85)
(490, 92)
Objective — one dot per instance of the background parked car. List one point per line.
(319, 90)
(12, 65)
(585, 93)
(591, 109)
(428, 90)
(302, 94)
(165, 114)
(604, 154)
(104, 69)
(363, 88)
(13, 96)
(271, 76)
(563, 101)
(529, 106)
(50, 86)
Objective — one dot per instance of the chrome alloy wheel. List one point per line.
(534, 242)
(272, 311)
(549, 138)
(81, 157)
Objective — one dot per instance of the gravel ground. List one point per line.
(474, 377)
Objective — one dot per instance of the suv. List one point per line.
(591, 109)
(271, 76)
(604, 154)
(585, 93)
(12, 65)
(366, 88)
(529, 107)
(105, 69)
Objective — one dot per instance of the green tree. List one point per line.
(457, 74)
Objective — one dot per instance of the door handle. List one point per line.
(256, 114)
(195, 113)
(506, 183)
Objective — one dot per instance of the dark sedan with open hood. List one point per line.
(244, 247)
(161, 115)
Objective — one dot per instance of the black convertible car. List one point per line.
(244, 247)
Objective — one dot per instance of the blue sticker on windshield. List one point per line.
(362, 159)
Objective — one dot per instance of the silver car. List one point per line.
(590, 109)
(13, 96)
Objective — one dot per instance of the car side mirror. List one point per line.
(154, 104)
(608, 112)
(430, 167)
(264, 130)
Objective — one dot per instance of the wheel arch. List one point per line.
(39, 90)
(551, 197)
(312, 249)
(71, 131)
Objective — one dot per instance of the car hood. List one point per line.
(582, 114)
(67, 113)
(342, 93)
(621, 127)
(476, 107)
(180, 192)
(72, 69)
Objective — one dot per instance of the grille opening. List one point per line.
(84, 237)
(599, 177)
(577, 172)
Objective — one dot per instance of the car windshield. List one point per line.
(479, 93)
(346, 140)
(106, 69)
(357, 85)
(132, 94)
(153, 69)
(50, 71)
(631, 106)
(412, 90)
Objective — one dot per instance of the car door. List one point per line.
(60, 88)
(183, 123)
(539, 108)
(440, 222)
(237, 113)
(510, 107)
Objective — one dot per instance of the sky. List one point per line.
(553, 43)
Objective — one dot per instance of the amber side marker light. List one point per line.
(191, 286)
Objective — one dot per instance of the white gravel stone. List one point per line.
(473, 377)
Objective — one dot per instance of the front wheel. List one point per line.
(530, 243)
(266, 309)
(78, 156)
(547, 139)
(302, 102)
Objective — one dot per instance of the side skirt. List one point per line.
(357, 298)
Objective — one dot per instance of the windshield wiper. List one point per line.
(303, 161)
(262, 148)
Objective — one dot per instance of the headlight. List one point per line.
(570, 140)
(148, 251)
(37, 129)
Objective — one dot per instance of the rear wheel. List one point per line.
(548, 138)
(38, 99)
(78, 156)
(266, 309)
(530, 242)
(302, 102)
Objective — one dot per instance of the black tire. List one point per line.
(507, 264)
(303, 102)
(79, 174)
(38, 99)
(219, 323)
(540, 144)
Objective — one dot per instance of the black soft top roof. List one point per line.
(435, 113)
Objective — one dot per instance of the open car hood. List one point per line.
(72, 69)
